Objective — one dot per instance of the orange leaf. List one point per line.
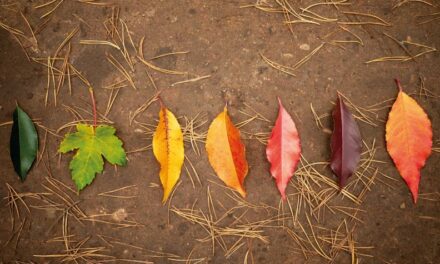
(226, 152)
(409, 139)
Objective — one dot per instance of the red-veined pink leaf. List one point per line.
(283, 149)
(346, 143)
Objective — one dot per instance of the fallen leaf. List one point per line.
(226, 152)
(409, 139)
(346, 143)
(24, 143)
(91, 144)
(168, 150)
(283, 149)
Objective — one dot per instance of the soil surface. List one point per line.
(223, 42)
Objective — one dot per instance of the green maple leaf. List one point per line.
(91, 146)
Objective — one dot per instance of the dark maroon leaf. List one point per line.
(346, 143)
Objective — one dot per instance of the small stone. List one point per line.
(120, 215)
(304, 46)
(402, 206)
(151, 13)
(327, 130)
(173, 19)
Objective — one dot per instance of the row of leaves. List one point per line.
(408, 137)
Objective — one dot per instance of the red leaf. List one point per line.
(346, 143)
(283, 149)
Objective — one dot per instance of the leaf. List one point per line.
(346, 143)
(283, 149)
(226, 152)
(23, 143)
(168, 150)
(91, 145)
(409, 139)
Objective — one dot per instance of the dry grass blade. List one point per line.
(161, 70)
(318, 118)
(194, 171)
(277, 66)
(12, 30)
(49, 3)
(436, 147)
(113, 195)
(425, 92)
(95, 2)
(403, 2)
(190, 133)
(434, 196)
(429, 18)
(192, 80)
(215, 231)
(169, 54)
(66, 40)
(376, 20)
(142, 108)
(111, 100)
(289, 70)
(99, 42)
(404, 44)
(109, 219)
(121, 69)
(357, 38)
(152, 66)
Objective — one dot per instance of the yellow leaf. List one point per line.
(226, 152)
(168, 150)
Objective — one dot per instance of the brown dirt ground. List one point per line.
(224, 41)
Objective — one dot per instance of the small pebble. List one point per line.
(304, 46)
(402, 206)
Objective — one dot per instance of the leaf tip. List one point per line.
(414, 188)
(283, 196)
(241, 190)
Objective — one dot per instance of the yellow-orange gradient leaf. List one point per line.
(409, 139)
(168, 150)
(226, 152)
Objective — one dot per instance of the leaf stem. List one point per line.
(92, 97)
(398, 84)
(162, 105)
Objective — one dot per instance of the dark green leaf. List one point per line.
(24, 143)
